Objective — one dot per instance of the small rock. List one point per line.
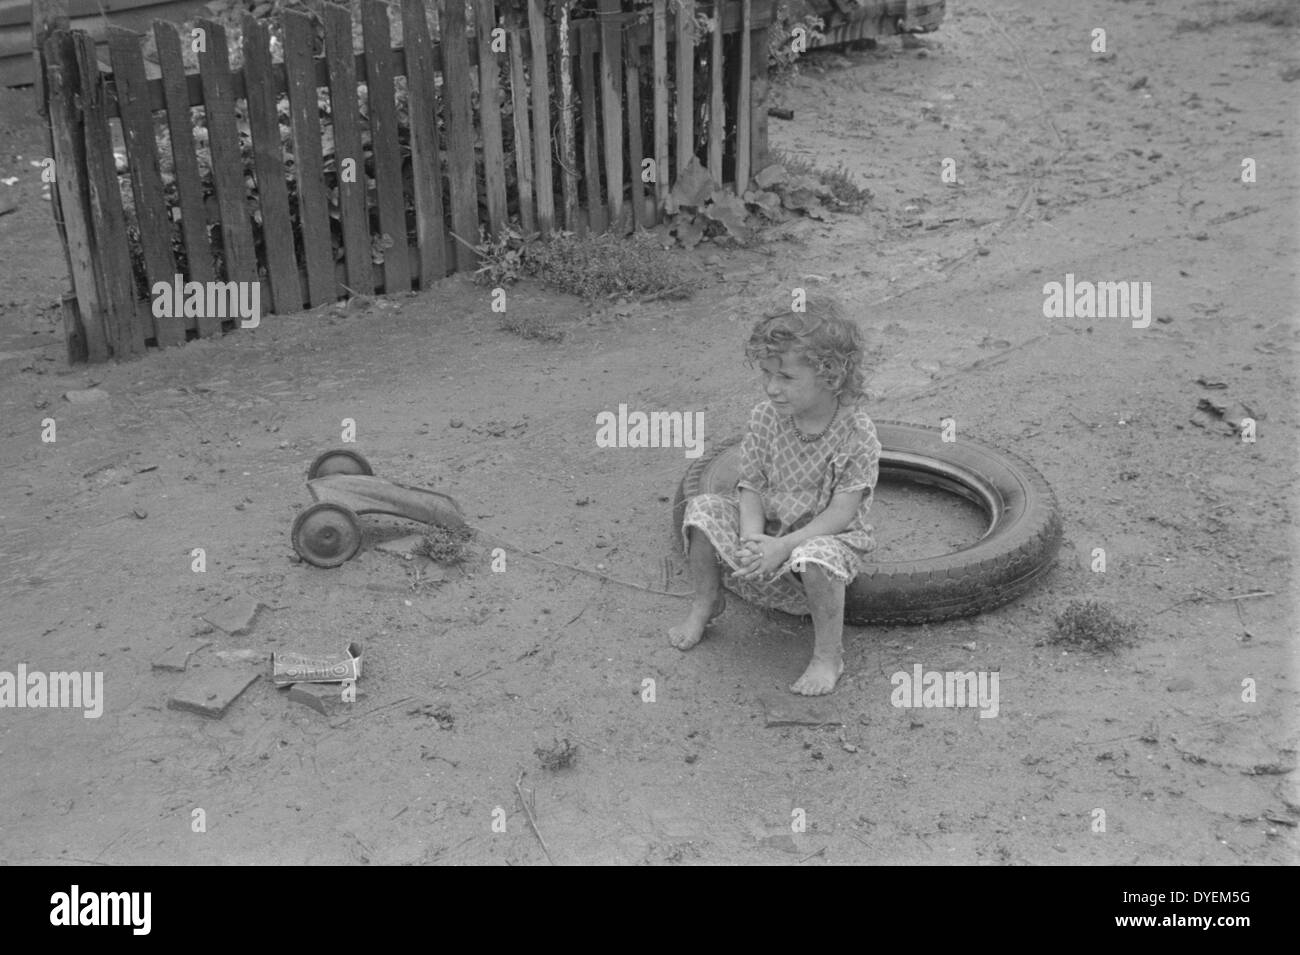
(177, 658)
(140, 513)
(772, 175)
(326, 699)
(210, 692)
(242, 655)
(85, 396)
(233, 616)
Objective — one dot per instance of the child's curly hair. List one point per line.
(821, 336)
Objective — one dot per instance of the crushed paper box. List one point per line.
(287, 668)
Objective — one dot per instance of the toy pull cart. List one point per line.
(344, 486)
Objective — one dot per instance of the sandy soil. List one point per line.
(1118, 168)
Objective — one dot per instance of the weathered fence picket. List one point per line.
(142, 161)
(543, 181)
(354, 217)
(588, 56)
(185, 163)
(523, 141)
(308, 174)
(456, 101)
(268, 169)
(494, 163)
(380, 70)
(112, 257)
(426, 166)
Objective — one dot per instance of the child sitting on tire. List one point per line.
(794, 537)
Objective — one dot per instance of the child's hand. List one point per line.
(768, 554)
(746, 555)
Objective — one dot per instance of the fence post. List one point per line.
(83, 324)
(541, 119)
(47, 17)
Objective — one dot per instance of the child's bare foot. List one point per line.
(820, 677)
(685, 635)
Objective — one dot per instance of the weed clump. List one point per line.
(1093, 626)
(446, 545)
(559, 755)
(845, 193)
(597, 265)
(532, 327)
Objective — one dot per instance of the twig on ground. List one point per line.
(1249, 596)
(527, 804)
(663, 293)
(583, 570)
(472, 248)
(578, 614)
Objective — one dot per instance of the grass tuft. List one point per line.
(1093, 626)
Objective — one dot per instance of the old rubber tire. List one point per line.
(339, 462)
(326, 535)
(1018, 548)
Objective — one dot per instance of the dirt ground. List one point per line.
(1117, 167)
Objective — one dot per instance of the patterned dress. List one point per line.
(796, 481)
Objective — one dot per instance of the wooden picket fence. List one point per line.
(397, 226)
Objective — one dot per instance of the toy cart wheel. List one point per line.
(339, 462)
(326, 535)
